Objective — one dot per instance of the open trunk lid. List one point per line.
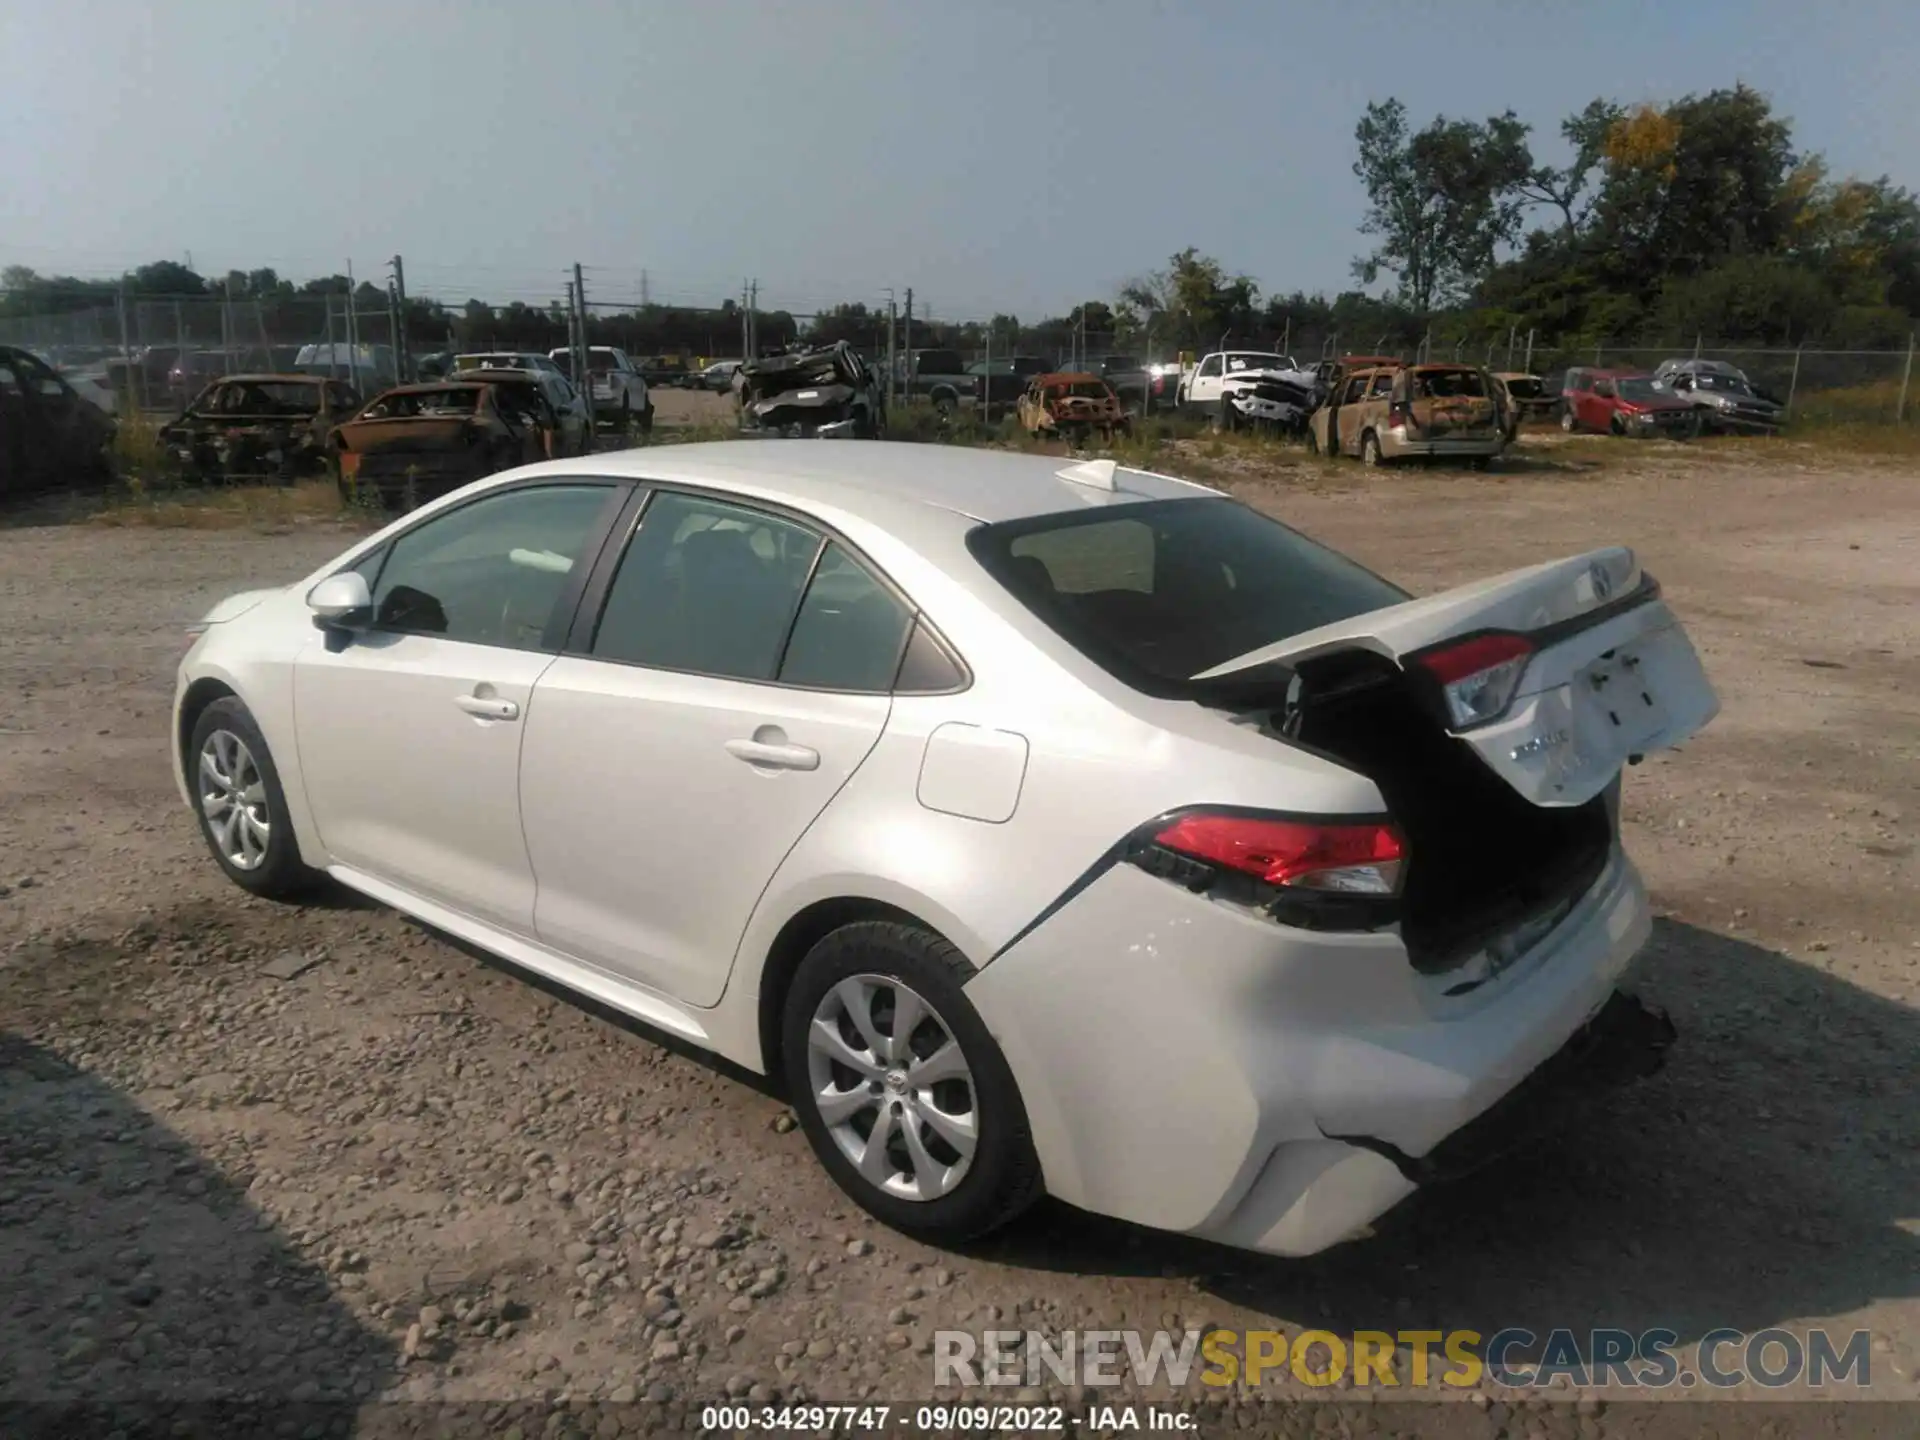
(1598, 669)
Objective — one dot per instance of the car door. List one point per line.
(409, 730)
(1204, 388)
(734, 676)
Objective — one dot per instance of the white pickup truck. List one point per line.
(1248, 387)
(615, 385)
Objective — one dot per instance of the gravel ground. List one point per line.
(405, 1173)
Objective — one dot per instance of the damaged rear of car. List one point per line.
(255, 427)
(418, 442)
(825, 394)
(1073, 406)
(1391, 912)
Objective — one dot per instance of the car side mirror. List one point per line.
(341, 601)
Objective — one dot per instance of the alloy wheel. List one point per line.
(233, 798)
(890, 1083)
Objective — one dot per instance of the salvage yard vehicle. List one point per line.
(250, 427)
(718, 376)
(1522, 397)
(1003, 380)
(823, 394)
(1434, 412)
(1039, 827)
(49, 434)
(1624, 402)
(1200, 392)
(1722, 396)
(1073, 407)
(618, 389)
(940, 377)
(418, 442)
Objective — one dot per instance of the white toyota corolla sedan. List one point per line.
(1045, 827)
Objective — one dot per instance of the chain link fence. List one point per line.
(156, 351)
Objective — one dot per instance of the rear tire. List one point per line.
(240, 805)
(1313, 442)
(854, 983)
(1567, 423)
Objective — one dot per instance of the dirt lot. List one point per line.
(406, 1173)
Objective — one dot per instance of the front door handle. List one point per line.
(778, 757)
(488, 707)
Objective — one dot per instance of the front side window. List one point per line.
(492, 571)
(1210, 367)
(707, 587)
(1167, 589)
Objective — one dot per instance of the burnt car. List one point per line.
(417, 442)
(1523, 397)
(828, 393)
(1072, 405)
(247, 427)
(49, 434)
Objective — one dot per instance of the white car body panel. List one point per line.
(405, 785)
(654, 846)
(607, 839)
(1627, 686)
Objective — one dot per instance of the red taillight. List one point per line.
(1400, 415)
(1478, 677)
(1357, 859)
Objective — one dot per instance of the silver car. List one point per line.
(1040, 827)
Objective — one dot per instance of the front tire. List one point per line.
(954, 1158)
(240, 804)
(1370, 449)
(1567, 423)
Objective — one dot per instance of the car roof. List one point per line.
(1067, 377)
(884, 481)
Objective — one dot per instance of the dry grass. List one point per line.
(240, 507)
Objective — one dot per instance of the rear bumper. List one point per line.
(1395, 445)
(1196, 1068)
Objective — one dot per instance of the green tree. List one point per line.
(1441, 200)
(1570, 188)
(166, 277)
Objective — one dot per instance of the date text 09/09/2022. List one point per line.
(941, 1419)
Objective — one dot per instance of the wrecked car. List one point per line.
(1072, 406)
(417, 442)
(823, 394)
(1414, 411)
(1522, 397)
(1723, 398)
(250, 427)
(1273, 400)
(49, 433)
(1624, 402)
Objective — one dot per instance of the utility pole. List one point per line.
(402, 362)
(893, 352)
(746, 334)
(753, 320)
(393, 325)
(906, 343)
(226, 327)
(353, 332)
(580, 378)
(643, 290)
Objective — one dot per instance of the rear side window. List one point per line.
(1164, 590)
(850, 630)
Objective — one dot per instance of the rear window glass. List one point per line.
(461, 401)
(1449, 383)
(1159, 592)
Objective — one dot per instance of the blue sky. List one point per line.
(996, 156)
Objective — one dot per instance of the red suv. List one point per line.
(1624, 402)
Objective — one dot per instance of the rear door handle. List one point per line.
(487, 707)
(779, 757)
